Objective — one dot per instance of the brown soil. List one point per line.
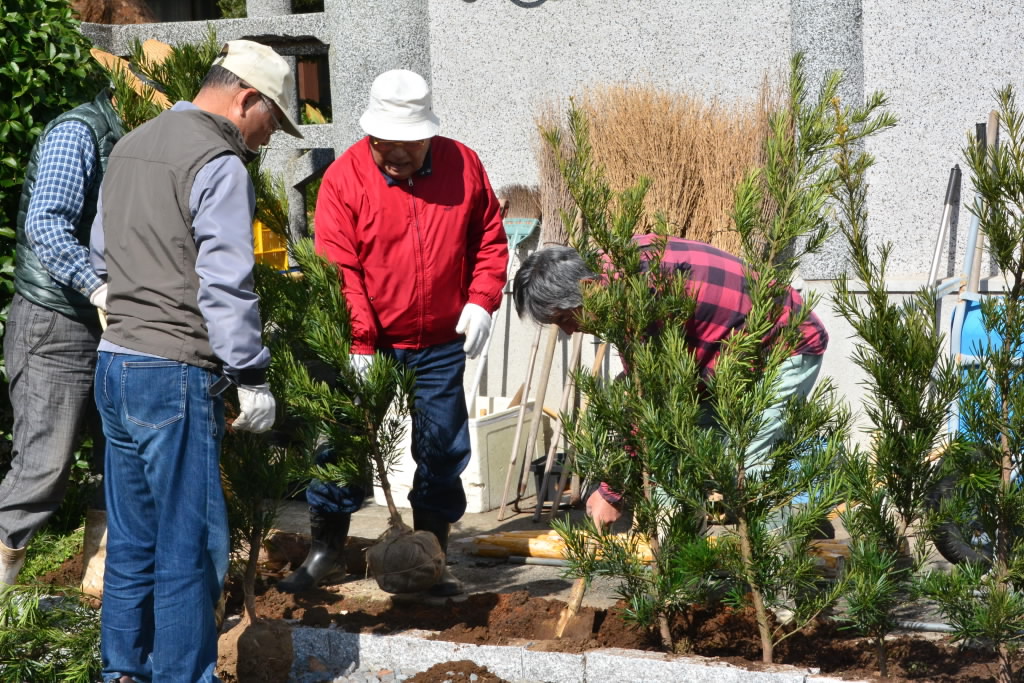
(456, 672)
(114, 11)
(516, 618)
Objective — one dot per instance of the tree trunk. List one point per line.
(251, 565)
(1005, 665)
(760, 611)
(1002, 547)
(883, 656)
(663, 627)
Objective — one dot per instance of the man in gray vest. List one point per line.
(173, 236)
(53, 328)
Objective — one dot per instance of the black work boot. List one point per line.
(426, 520)
(326, 552)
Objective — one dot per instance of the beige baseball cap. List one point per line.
(262, 68)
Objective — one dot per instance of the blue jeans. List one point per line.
(440, 437)
(167, 532)
(51, 361)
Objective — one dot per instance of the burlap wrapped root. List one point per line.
(405, 561)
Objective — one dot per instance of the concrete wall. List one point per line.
(493, 63)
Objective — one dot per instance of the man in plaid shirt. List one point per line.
(547, 289)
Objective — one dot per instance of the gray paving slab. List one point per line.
(331, 655)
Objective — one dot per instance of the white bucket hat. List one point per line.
(400, 108)
(262, 68)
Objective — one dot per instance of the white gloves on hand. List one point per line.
(475, 323)
(98, 298)
(256, 408)
(360, 363)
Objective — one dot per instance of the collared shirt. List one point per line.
(717, 281)
(423, 171)
(67, 168)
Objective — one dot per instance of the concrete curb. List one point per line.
(330, 654)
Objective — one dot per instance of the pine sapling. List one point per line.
(984, 599)
(911, 385)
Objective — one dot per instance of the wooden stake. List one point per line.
(538, 406)
(563, 407)
(524, 394)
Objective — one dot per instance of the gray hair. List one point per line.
(548, 283)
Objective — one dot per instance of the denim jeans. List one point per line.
(51, 361)
(440, 436)
(167, 543)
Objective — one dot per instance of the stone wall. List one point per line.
(493, 63)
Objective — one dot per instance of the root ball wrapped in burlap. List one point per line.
(405, 561)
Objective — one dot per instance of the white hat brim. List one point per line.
(385, 128)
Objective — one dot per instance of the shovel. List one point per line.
(572, 623)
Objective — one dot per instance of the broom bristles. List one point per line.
(694, 151)
(522, 201)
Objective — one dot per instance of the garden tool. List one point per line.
(571, 622)
(523, 392)
(11, 561)
(94, 552)
(521, 218)
(326, 552)
(538, 410)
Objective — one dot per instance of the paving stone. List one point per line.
(651, 667)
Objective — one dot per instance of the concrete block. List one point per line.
(650, 667)
(503, 661)
(375, 651)
(557, 666)
(321, 653)
(410, 653)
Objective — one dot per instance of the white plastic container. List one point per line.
(491, 433)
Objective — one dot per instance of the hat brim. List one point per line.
(156, 51)
(113, 63)
(289, 126)
(390, 129)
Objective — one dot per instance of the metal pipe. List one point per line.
(952, 199)
(926, 626)
(549, 561)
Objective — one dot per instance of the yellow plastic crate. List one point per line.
(270, 249)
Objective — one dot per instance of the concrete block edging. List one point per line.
(320, 652)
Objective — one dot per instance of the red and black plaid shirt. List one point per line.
(716, 280)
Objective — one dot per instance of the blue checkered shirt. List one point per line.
(67, 169)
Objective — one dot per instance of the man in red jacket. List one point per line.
(415, 228)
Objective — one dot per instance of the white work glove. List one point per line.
(256, 408)
(360, 364)
(475, 323)
(98, 298)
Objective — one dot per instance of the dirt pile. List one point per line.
(114, 11)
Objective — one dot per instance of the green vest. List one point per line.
(31, 279)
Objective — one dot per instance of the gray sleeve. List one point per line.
(97, 257)
(222, 204)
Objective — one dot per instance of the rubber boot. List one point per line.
(326, 552)
(94, 552)
(425, 520)
(11, 561)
